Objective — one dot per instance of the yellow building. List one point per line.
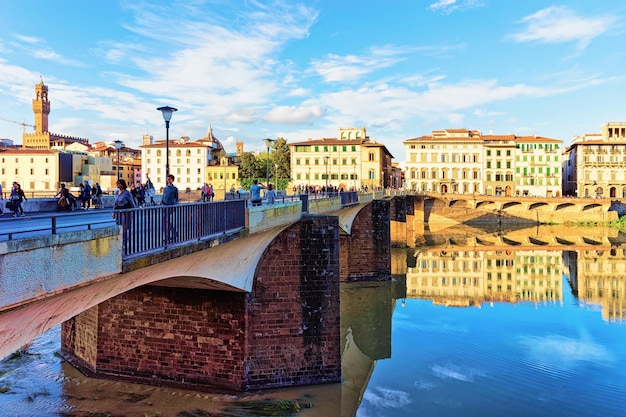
(468, 162)
(223, 176)
(351, 161)
(594, 165)
(39, 172)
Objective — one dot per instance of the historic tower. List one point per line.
(41, 107)
(41, 138)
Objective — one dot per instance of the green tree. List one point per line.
(248, 167)
(281, 160)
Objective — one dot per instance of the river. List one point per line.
(518, 323)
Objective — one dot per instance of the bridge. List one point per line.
(467, 208)
(238, 297)
(231, 304)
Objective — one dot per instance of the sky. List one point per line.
(265, 69)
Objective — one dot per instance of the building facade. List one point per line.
(468, 162)
(223, 176)
(351, 161)
(594, 165)
(39, 172)
(188, 161)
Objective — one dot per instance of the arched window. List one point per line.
(178, 152)
(372, 174)
(158, 152)
(188, 153)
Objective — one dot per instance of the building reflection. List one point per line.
(472, 277)
(598, 277)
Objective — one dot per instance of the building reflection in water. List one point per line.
(598, 277)
(472, 277)
(528, 265)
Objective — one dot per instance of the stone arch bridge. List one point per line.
(258, 311)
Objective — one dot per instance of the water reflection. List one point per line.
(544, 336)
(457, 269)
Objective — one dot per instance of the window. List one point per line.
(372, 174)
(372, 156)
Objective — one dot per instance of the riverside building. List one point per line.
(350, 161)
(468, 162)
(594, 165)
(188, 159)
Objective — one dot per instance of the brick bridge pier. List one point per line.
(257, 312)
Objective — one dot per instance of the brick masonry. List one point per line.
(294, 335)
(285, 332)
(366, 252)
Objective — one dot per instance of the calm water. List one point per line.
(462, 331)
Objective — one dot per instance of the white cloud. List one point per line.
(27, 39)
(387, 398)
(50, 55)
(294, 114)
(449, 6)
(338, 68)
(556, 351)
(558, 24)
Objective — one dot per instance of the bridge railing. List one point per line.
(151, 228)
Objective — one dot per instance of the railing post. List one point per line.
(54, 225)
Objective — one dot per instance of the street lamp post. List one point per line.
(118, 145)
(225, 162)
(326, 160)
(354, 175)
(167, 112)
(268, 143)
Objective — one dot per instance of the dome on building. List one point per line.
(210, 140)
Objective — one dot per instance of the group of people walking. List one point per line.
(87, 195)
(15, 199)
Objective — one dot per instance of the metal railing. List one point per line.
(151, 228)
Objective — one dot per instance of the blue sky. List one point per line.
(253, 69)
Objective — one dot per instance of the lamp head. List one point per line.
(167, 112)
(118, 144)
(268, 142)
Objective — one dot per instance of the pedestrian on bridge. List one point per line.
(150, 190)
(123, 200)
(170, 198)
(86, 196)
(17, 196)
(255, 193)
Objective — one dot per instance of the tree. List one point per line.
(281, 159)
(248, 169)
